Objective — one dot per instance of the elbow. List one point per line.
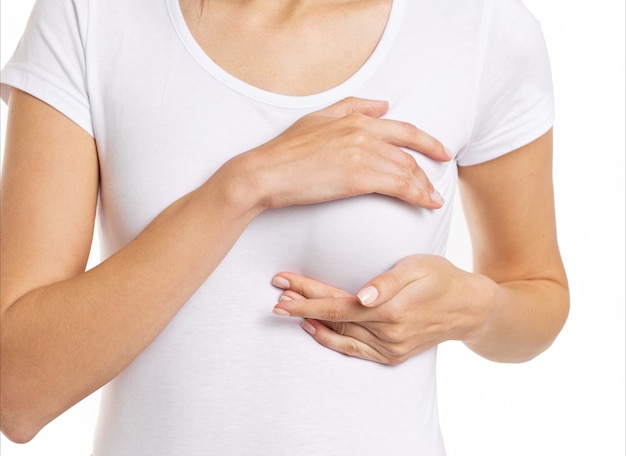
(552, 329)
(17, 437)
(16, 428)
(551, 332)
(17, 422)
(561, 306)
(22, 414)
(528, 341)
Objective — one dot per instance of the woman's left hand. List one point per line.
(420, 302)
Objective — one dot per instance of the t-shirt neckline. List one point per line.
(344, 89)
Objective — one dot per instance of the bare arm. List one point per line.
(509, 309)
(509, 206)
(66, 332)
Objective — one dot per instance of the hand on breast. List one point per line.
(420, 302)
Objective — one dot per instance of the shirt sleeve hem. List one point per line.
(543, 120)
(45, 89)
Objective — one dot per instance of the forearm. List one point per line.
(509, 207)
(62, 341)
(526, 317)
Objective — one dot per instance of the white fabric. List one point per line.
(227, 377)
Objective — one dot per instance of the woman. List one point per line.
(234, 144)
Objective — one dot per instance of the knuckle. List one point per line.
(334, 313)
(396, 360)
(351, 101)
(411, 164)
(397, 352)
(340, 328)
(358, 137)
(351, 348)
(403, 185)
(355, 118)
(395, 334)
(395, 337)
(410, 129)
(355, 155)
(423, 187)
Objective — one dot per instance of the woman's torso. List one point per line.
(227, 376)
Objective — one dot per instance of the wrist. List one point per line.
(236, 183)
(481, 309)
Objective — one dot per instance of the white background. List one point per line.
(570, 400)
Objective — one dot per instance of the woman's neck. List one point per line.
(292, 47)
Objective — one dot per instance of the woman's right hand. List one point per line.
(100, 320)
(341, 151)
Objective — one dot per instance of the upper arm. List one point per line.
(49, 197)
(509, 207)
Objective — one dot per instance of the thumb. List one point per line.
(369, 296)
(385, 286)
(372, 108)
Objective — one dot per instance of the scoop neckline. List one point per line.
(342, 90)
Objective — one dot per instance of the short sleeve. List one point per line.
(515, 101)
(49, 62)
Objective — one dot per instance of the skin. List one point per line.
(59, 322)
(509, 309)
(66, 332)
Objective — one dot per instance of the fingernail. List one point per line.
(368, 295)
(281, 282)
(448, 152)
(308, 327)
(281, 312)
(285, 298)
(437, 198)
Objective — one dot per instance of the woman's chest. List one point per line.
(290, 48)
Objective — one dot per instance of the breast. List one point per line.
(344, 242)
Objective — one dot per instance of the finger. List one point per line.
(329, 309)
(366, 332)
(350, 336)
(376, 334)
(289, 295)
(342, 344)
(404, 134)
(418, 140)
(390, 283)
(306, 286)
(391, 171)
(351, 105)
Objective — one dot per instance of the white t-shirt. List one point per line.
(227, 377)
